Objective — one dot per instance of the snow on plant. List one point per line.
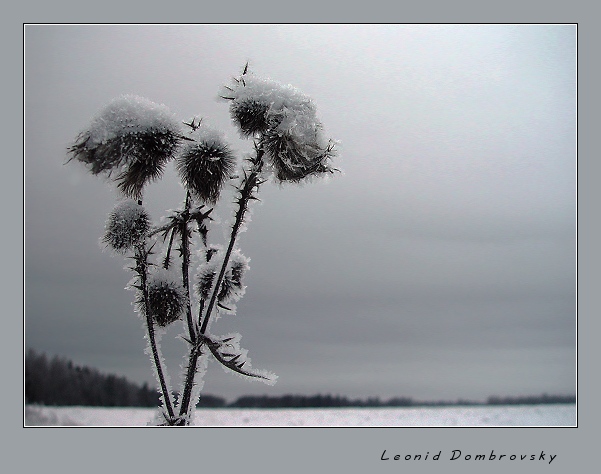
(285, 119)
(130, 142)
(131, 137)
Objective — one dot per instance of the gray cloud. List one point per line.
(439, 264)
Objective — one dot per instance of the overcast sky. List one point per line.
(440, 264)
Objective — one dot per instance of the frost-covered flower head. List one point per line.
(232, 288)
(205, 164)
(127, 225)
(131, 139)
(285, 120)
(166, 298)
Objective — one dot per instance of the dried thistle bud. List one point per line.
(206, 164)
(130, 140)
(206, 275)
(166, 299)
(295, 159)
(250, 115)
(286, 120)
(231, 289)
(127, 225)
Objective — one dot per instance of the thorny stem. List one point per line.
(250, 182)
(185, 249)
(187, 395)
(141, 267)
(194, 352)
(248, 185)
(167, 260)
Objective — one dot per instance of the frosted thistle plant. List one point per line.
(130, 142)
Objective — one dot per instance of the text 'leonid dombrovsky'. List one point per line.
(457, 455)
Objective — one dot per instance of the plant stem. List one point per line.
(185, 268)
(167, 260)
(248, 185)
(250, 182)
(194, 352)
(141, 266)
(191, 372)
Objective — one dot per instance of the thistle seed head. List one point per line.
(205, 165)
(130, 140)
(206, 274)
(166, 299)
(294, 159)
(231, 289)
(285, 120)
(127, 225)
(251, 116)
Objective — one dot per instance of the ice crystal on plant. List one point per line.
(234, 358)
(130, 115)
(127, 225)
(274, 97)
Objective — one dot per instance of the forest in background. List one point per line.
(55, 381)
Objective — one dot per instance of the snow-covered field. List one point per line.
(530, 415)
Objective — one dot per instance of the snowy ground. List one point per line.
(531, 415)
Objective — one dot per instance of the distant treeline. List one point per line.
(58, 382)
(325, 401)
(536, 400)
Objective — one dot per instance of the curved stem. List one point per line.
(141, 266)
